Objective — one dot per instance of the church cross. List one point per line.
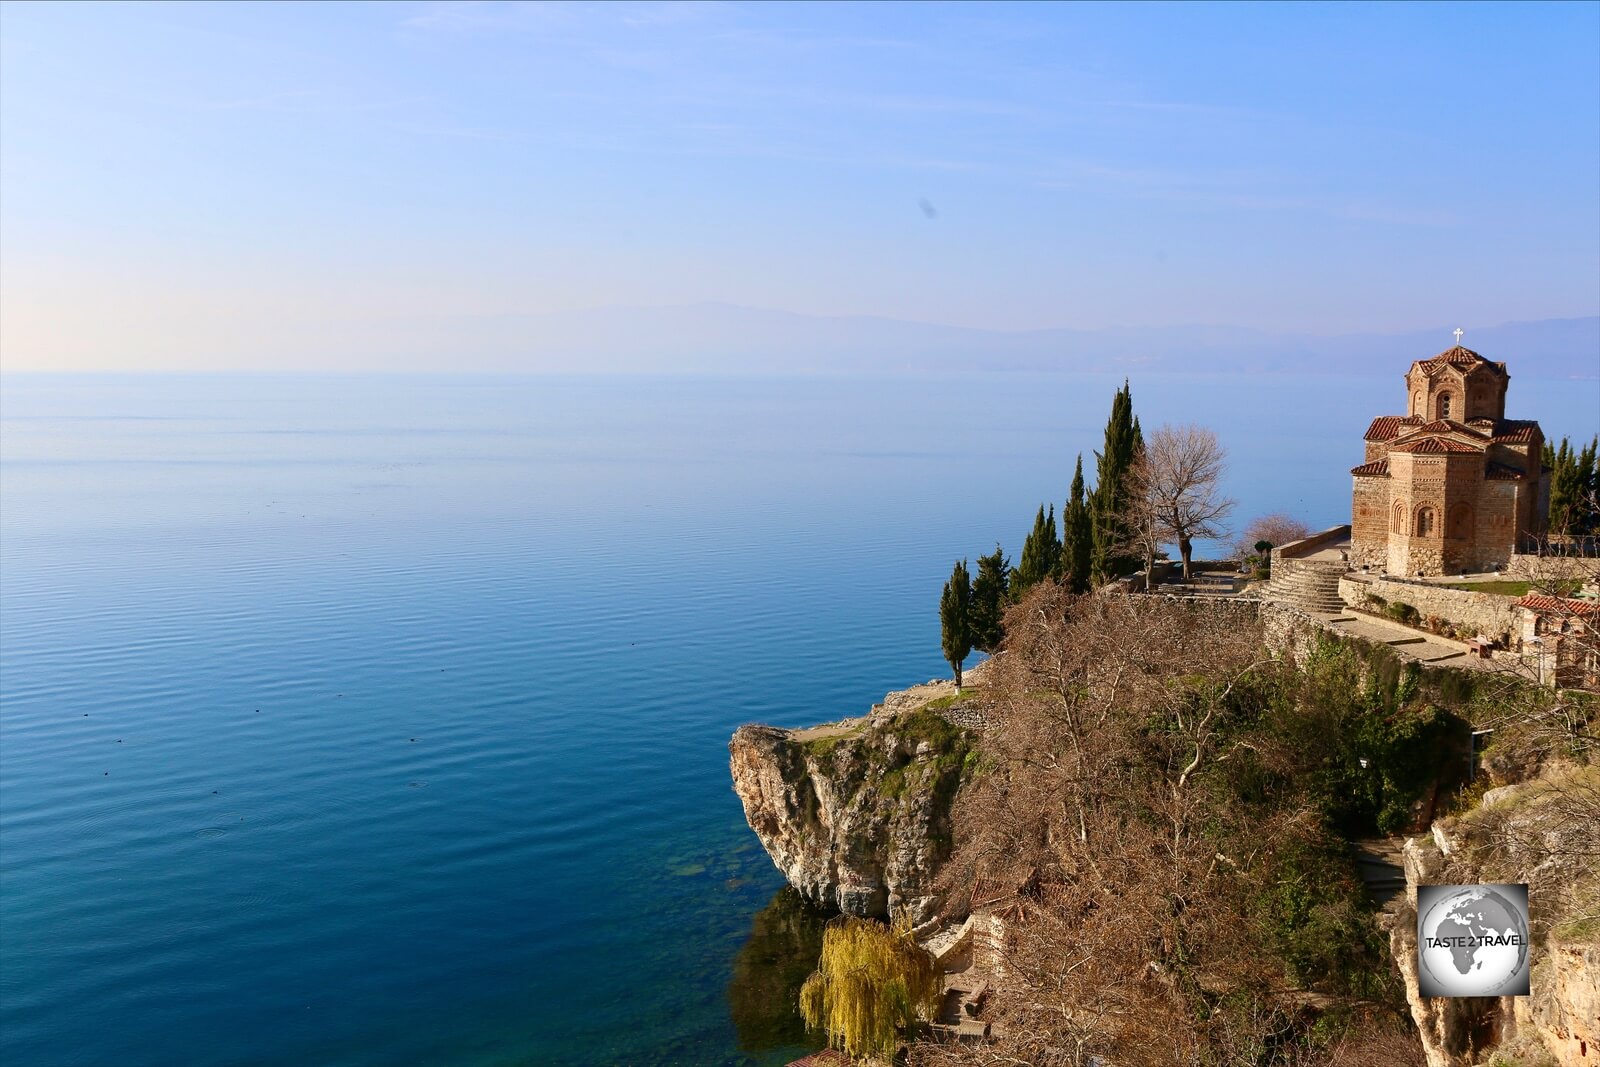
(1458, 337)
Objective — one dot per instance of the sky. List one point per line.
(205, 186)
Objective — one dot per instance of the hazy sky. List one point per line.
(194, 185)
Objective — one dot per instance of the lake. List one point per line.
(383, 720)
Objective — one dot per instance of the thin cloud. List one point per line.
(466, 16)
(1232, 190)
(467, 133)
(305, 102)
(673, 14)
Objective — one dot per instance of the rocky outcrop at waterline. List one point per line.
(856, 814)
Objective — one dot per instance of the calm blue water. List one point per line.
(383, 721)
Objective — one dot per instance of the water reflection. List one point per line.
(764, 996)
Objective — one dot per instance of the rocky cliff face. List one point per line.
(1564, 1010)
(856, 814)
(1542, 833)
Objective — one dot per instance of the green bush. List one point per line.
(1400, 611)
(1368, 746)
(1311, 913)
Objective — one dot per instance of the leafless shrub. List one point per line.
(1277, 529)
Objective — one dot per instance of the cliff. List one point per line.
(1540, 832)
(856, 814)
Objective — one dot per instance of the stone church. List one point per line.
(1451, 486)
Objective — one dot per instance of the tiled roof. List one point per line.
(1434, 445)
(1387, 427)
(1378, 468)
(1542, 602)
(1058, 895)
(988, 890)
(1459, 357)
(1515, 431)
(1448, 426)
(1499, 472)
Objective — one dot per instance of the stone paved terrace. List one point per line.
(1336, 552)
(1408, 643)
(1210, 581)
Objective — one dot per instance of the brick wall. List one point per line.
(1369, 522)
(1495, 525)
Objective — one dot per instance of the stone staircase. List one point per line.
(1382, 868)
(1311, 585)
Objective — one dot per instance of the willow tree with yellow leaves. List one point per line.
(872, 982)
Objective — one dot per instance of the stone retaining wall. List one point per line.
(1290, 630)
(967, 717)
(1490, 614)
(1529, 567)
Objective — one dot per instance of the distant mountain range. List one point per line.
(721, 338)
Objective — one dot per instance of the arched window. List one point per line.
(1424, 522)
(1444, 405)
(1416, 404)
(1397, 524)
(1461, 521)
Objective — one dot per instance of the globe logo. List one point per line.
(1472, 940)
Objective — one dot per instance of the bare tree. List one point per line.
(1142, 529)
(1276, 529)
(1105, 803)
(1180, 480)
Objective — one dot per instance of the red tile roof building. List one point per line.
(1452, 485)
(1562, 636)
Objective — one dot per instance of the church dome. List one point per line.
(1461, 358)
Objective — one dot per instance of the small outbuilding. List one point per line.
(1561, 638)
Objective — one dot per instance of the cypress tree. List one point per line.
(954, 612)
(1077, 535)
(1588, 487)
(1040, 552)
(1566, 491)
(1052, 544)
(1123, 439)
(989, 590)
